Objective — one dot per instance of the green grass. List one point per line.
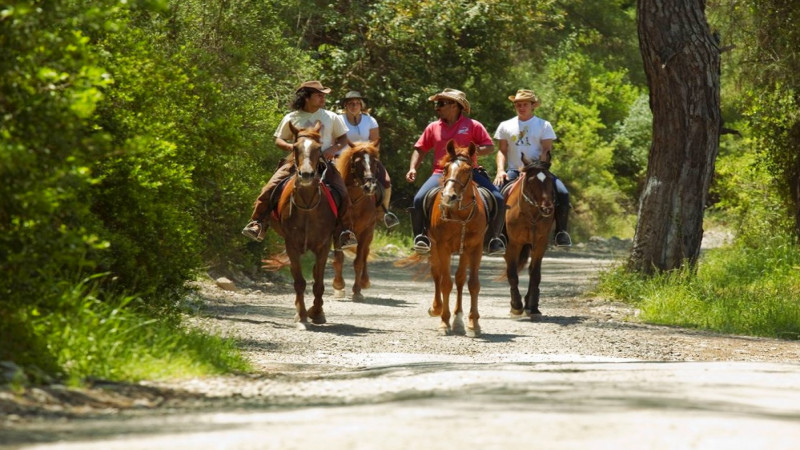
(85, 337)
(737, 290)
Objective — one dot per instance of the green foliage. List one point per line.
(92, 337)
(751, 288)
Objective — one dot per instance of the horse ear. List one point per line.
(451, 148)
(525, 161)
(377, 143)
(350, 143)
(293, 129)
(472, 149)
(317, 126)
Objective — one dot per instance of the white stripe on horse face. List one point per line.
(308, 166)
(541, 176)
(367, 167)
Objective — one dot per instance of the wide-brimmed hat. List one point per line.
(315, 85)
(525, 95)
(452, 94)
(351, 95)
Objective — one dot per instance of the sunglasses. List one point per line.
(441, 103)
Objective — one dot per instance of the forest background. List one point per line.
(135, 135)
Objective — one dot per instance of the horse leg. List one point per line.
(301, 317)
(436, 308)
(338, 278)
(316, 313)
(473, 327)
(367, 241)
(461, 278)
(359, 264)
(532, 297)
(444, 285)
(512, 273)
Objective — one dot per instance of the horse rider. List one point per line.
(532, 136)
(361, 126)
(451, 106)
(307, 110)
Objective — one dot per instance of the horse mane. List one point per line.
(344, 162)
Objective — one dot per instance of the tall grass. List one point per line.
(111, 338)
(743, 289)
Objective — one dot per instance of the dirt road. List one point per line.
(378, 375)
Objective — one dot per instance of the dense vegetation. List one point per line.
(134, 136)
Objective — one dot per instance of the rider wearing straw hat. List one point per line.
(532, 137)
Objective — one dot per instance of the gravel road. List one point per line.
(378, 375)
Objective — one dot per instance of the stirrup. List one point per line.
(390, 220)
(347, 240)
(500, 250)
(422, 244)
(562, 239)
(254, 230)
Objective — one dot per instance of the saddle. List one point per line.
(333, 196)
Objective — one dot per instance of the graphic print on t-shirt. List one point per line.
(523, 138)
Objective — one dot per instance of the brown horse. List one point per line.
(358, 165)
(458, 225)
(529, 218)
(306, 220)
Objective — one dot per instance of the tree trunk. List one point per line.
(682, 63)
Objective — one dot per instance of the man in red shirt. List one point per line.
(451, 106)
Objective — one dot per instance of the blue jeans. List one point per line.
(513, 174)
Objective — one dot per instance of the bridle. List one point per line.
(474, 204)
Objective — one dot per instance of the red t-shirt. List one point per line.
(462, 132)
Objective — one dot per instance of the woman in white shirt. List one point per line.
(363, 127)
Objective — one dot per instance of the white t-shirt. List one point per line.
(332, 125)
(360, 132)
(524, 138)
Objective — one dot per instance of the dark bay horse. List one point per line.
(458, 225)
(358, 165)
(306, 220)
(529, 218)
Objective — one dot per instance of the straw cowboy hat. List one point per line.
(454, 95)
(351, 95)
(315, 85)
(525, 95)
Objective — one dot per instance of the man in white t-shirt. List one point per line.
(533, 137)
(308, 109)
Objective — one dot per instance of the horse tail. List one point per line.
(523, 257)
(276, 262)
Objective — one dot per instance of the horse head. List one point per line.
(456, 173)
(307, 151)
(538, 187)
(359, 165)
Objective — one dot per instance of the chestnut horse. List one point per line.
(358, 166)
(457, 226)
(306, 220)
(529, 218)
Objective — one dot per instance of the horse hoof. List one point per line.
(433, 313)
(459, 330)
(536, 317)
(445, 331)
(319, 319)
(301, 326)
(474, 332)
(338, 293)
(516, 312)
(365, 285)
(358, 297)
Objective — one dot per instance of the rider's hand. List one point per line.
(411, 175)
(501, 178)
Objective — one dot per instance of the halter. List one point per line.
(474, 204)
(543, 211)
(365, 181)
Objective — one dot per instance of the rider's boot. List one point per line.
(422, 244)
(562, 238)
(497, 245)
